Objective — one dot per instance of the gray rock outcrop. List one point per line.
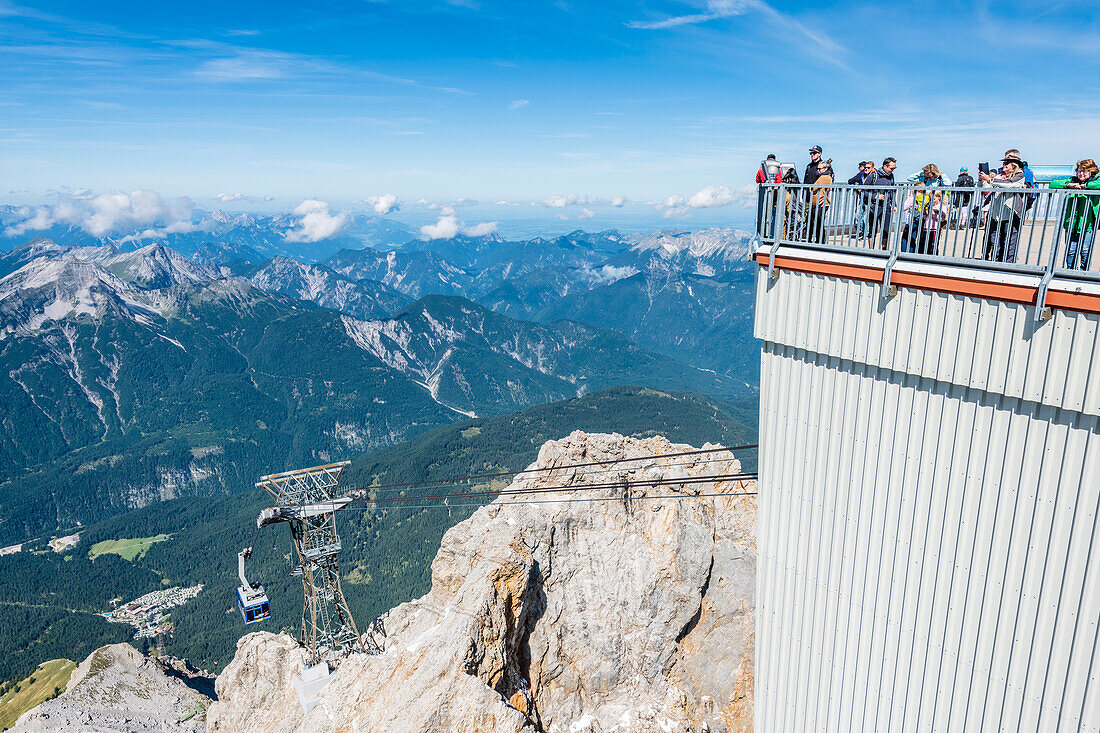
(118, 690)
(623, 613)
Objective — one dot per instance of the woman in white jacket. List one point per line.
(1006, 210)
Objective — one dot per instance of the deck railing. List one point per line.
(1016, 229)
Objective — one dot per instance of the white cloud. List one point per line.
(519, 103)
(179, 227)
(108, 212)
(383, 203)
(448, 226)
(42, 219)
(228, 198)
(445, 228)
(609, 273)
(560, 202)
(586, 214)
(706, 198)
(316, 222)
(480, 230)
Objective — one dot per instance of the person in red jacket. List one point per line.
(769, 171)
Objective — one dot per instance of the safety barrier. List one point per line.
(1047, 231)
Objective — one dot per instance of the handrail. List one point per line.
(1045, 232)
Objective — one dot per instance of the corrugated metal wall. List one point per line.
(927, 526)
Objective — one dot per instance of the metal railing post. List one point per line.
(1042, 312)
(782, 226)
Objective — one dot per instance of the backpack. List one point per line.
(1029, 182)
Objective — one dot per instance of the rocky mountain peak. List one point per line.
(156, 266)
(716, 243)
(618, 613)
(118, 689)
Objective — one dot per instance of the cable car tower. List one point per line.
(308, 500)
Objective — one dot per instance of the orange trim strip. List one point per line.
(1084, 302)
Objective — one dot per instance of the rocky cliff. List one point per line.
(617, 614)
(117, 689)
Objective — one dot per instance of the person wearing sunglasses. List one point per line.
(1082, 212)
(1006, 211)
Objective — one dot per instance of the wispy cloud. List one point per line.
(714, 10)
(519, 103)
(252, 64)
(229, 198)
(815, 42)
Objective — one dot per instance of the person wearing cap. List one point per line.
(962, 198)
(769, 171)
(811, 167)
(1006, 210)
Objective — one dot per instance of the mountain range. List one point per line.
(140, 375)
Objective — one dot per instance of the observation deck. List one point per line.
(928, 535)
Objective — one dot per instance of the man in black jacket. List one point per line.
(881, 202)
(811, 168)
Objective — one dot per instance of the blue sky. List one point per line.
(522, 101)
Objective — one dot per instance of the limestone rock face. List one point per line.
(117, 689)
(630, 612)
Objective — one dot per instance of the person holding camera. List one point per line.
(1006, 210)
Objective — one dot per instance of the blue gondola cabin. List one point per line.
(253, 604)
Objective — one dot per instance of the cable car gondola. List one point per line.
(251, 597)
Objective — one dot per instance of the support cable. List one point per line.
(651, 457)
(652, 483)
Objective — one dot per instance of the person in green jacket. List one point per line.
(1082, 212)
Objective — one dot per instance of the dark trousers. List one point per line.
(879, 221)
(816, 223)
(1001, 238)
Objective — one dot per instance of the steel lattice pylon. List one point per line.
(308, 499)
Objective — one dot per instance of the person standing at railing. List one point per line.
(811, 167)
(960, 212)
(914, 229)
(1082, 212)
(929, 175)
(820, 202)
(769, 172)
(926, 218)
(1006, 210)
(859, 222)
(792, 207)
(881, 203)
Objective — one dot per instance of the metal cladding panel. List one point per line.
(928, 516)
(973, 342)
